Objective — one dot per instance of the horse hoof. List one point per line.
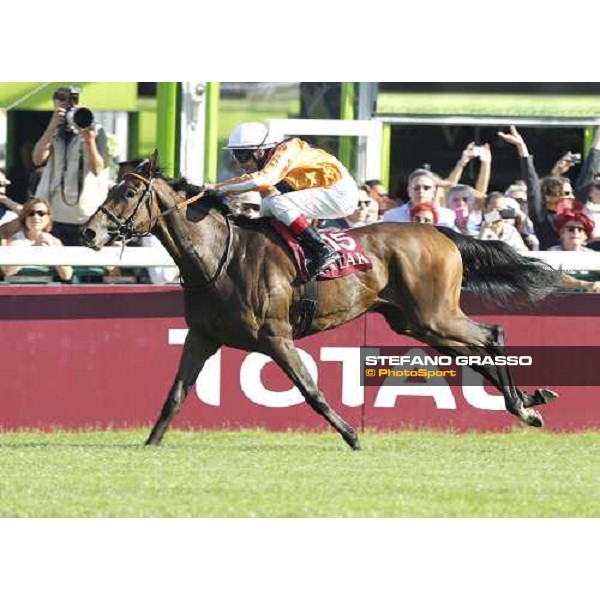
(544, 396)
(538, 398)
(531, 417)
(352, 440)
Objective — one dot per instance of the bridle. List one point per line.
(126, 229)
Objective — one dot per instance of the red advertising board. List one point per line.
(98, 356)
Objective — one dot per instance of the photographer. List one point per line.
(73, 152)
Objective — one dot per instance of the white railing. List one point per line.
(45, 256)
(570, 261)
(158, 257)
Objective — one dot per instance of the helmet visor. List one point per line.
(242, 155)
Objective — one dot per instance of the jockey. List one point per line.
(295, 182)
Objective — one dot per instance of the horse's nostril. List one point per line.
(88, 235)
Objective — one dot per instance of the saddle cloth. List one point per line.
(353, 258)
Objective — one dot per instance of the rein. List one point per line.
(127, 229)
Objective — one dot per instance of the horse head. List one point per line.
(130, 209)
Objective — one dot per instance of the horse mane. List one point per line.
(211, 199)
(217, 200)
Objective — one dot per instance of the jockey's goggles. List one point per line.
(242, 155)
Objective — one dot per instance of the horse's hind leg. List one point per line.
(498, 341)
(196, 352)
(516, 401)
(495, 346)
(285, 354)
(456, 334)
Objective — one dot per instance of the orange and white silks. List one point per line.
(295, 163)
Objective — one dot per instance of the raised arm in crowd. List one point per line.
(485, 167)
(542, 196)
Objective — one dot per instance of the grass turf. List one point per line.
(262, 474)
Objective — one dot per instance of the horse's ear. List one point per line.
(154, 163)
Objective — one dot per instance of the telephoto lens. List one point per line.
(80, 117)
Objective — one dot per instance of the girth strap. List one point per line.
(305, 309)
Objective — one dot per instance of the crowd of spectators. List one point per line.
(532, 213)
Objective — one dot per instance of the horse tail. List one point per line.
(495, 271)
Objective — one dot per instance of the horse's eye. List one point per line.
(130, 194)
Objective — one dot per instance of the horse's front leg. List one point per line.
(196, 351)
(285, 354)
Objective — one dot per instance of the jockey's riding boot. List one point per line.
(320, 253)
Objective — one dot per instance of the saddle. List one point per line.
(352, 257)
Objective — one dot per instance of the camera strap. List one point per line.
(80, 173)
(70, 143)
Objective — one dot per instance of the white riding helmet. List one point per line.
(252, 136)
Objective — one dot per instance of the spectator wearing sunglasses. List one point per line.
(467, 209)
(297, 182)
(376, 190)
(574, 230)
(35, 220)
(366, 214)
(74, 158)
(422, 186)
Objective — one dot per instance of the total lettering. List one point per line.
(352, 394)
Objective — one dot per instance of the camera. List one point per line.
(476, 151)
(508, 213)
(492, 217)
(575, 158)
(77, 117)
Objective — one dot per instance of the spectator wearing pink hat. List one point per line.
(574, 229)
(424, 212)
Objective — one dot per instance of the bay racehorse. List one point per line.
(241, 290)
